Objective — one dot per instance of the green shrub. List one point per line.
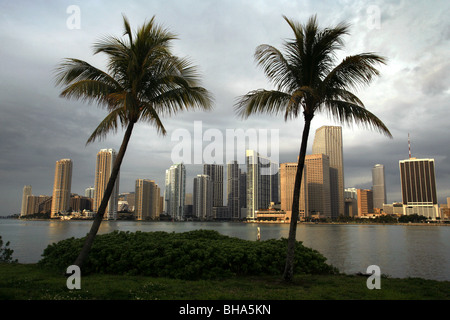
(199, 254)
(6, 253)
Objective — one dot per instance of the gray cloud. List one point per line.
(37, 127)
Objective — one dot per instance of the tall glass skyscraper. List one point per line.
(215, 172)
(328, 141)
(233, 187)
(103, 169)
(175, 191)
(61, 186)
(262, 183)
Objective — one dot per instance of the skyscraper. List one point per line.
(215, 172)
(328, 140)
(203, 197)
(233, 185)
(147, 195)
(103, 169)
(89, 192)
(378, 186)
(418, 182)
(365, 201)
(25, 193)
(61, 186)
(287, 183)
(175, 190)
(261, 173)
(318, 182)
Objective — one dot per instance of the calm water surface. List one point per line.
(400, 251)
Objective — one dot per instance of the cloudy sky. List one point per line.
(37, 127)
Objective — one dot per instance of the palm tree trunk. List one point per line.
(289, 267)
(81, 259)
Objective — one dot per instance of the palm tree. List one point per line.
(144, 81)
(307, 80)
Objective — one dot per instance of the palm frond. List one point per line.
(109, 123)
(349, 113)
(262, 101)
(354, 71)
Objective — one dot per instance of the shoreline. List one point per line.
(252, 222)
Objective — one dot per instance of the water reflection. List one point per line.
(399, 251)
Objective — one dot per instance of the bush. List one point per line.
(204, 254)
(6, 253)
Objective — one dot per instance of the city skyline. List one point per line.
(37, 127)
(269, 183)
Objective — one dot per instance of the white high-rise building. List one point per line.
(175, 191)
(26, 192)
(328, 141)
(103, 169)
(89, 192)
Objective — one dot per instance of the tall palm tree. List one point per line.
(144, 81)
(307, 80)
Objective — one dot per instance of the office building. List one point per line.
(215, 172)
(103, 169)
(287, 183)
(89, 192)
(203, 197)
(365, 202)
(61, 187)
(175, 191)
(318, 182)
(25, 193)
(233, 187)
(146, 200)
(418, 184)
(378, 186)
(261, 173)
(328, 140)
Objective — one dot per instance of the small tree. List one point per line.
(6, 253)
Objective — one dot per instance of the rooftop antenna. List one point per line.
(409, 146)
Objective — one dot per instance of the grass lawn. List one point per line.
(30, 282)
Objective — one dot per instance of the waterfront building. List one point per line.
(233, 187)
(378, 186)
(351, 202)
(175, 191)
(287, 183)
(146, 199)
(61, 187)
(203, 197)
(318, 183)
(89, 192)
(328, 141)
(215, 172)
(418, 186)
(103, 169)
(365, 202)
(261, 174)
(25, 193)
